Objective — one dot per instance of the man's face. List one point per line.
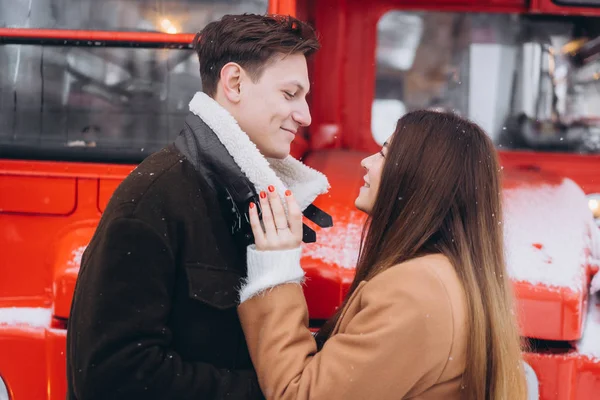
(272, 109)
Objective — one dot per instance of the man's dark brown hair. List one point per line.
(251, 41)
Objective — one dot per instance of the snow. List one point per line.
(76, 255)
(595, 285)
(35, 317)
(589, 344)
(3, 390)
(25, 316)
(547, 232)
(547, 236)
(533, 386)
(339, 244)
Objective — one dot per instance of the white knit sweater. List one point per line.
(267, 269)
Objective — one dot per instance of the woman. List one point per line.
(429, 314)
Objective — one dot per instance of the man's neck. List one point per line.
(223, 102)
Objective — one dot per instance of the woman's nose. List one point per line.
(363, 163)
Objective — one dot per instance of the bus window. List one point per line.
(531, 82)
(100, 103)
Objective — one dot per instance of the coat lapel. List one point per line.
(289, 173)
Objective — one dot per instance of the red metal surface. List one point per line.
(567, 376)
(282, 7)
(29, 240)
(23, 365)
(582, 169)
(106, 187)
(56, 347)
(37, 195)
(551, 313)
(96, 36)
(33, 362)
(60, 169)
(328, 280)
(550, 7)
(69, 249)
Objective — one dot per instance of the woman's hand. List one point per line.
(280, 232)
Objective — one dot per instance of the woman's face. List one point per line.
(373, 166)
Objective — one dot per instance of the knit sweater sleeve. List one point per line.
(267, 269)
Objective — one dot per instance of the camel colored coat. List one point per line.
(402, 336)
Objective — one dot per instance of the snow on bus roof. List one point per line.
(547, 234)
(589, 344)
(33, 317)
(339, 244)
(76, 255)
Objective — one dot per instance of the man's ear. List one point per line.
(231, 80)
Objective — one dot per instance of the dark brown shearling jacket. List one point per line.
(154, 311)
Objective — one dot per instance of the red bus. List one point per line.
(89, 89)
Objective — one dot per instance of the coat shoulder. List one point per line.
(164, 182)
(165, 193)
(429, 283)
(432, 274)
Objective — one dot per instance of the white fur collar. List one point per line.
(289, 173)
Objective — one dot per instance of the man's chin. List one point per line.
(281, 156)
(280, 153)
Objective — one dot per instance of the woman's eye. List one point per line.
(381, 152)
(289, 95)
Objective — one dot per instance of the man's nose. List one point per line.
(302, 115)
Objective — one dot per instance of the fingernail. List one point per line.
(263, 195)
(271, 188)
(288, 193)
(251, 205)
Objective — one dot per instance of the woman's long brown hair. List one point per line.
(440, 192)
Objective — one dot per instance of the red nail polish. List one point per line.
(251, 205)
(271, 188)
(288, 193)
(263, 195)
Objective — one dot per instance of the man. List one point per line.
(154, 311)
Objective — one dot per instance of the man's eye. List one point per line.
(289, 95)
